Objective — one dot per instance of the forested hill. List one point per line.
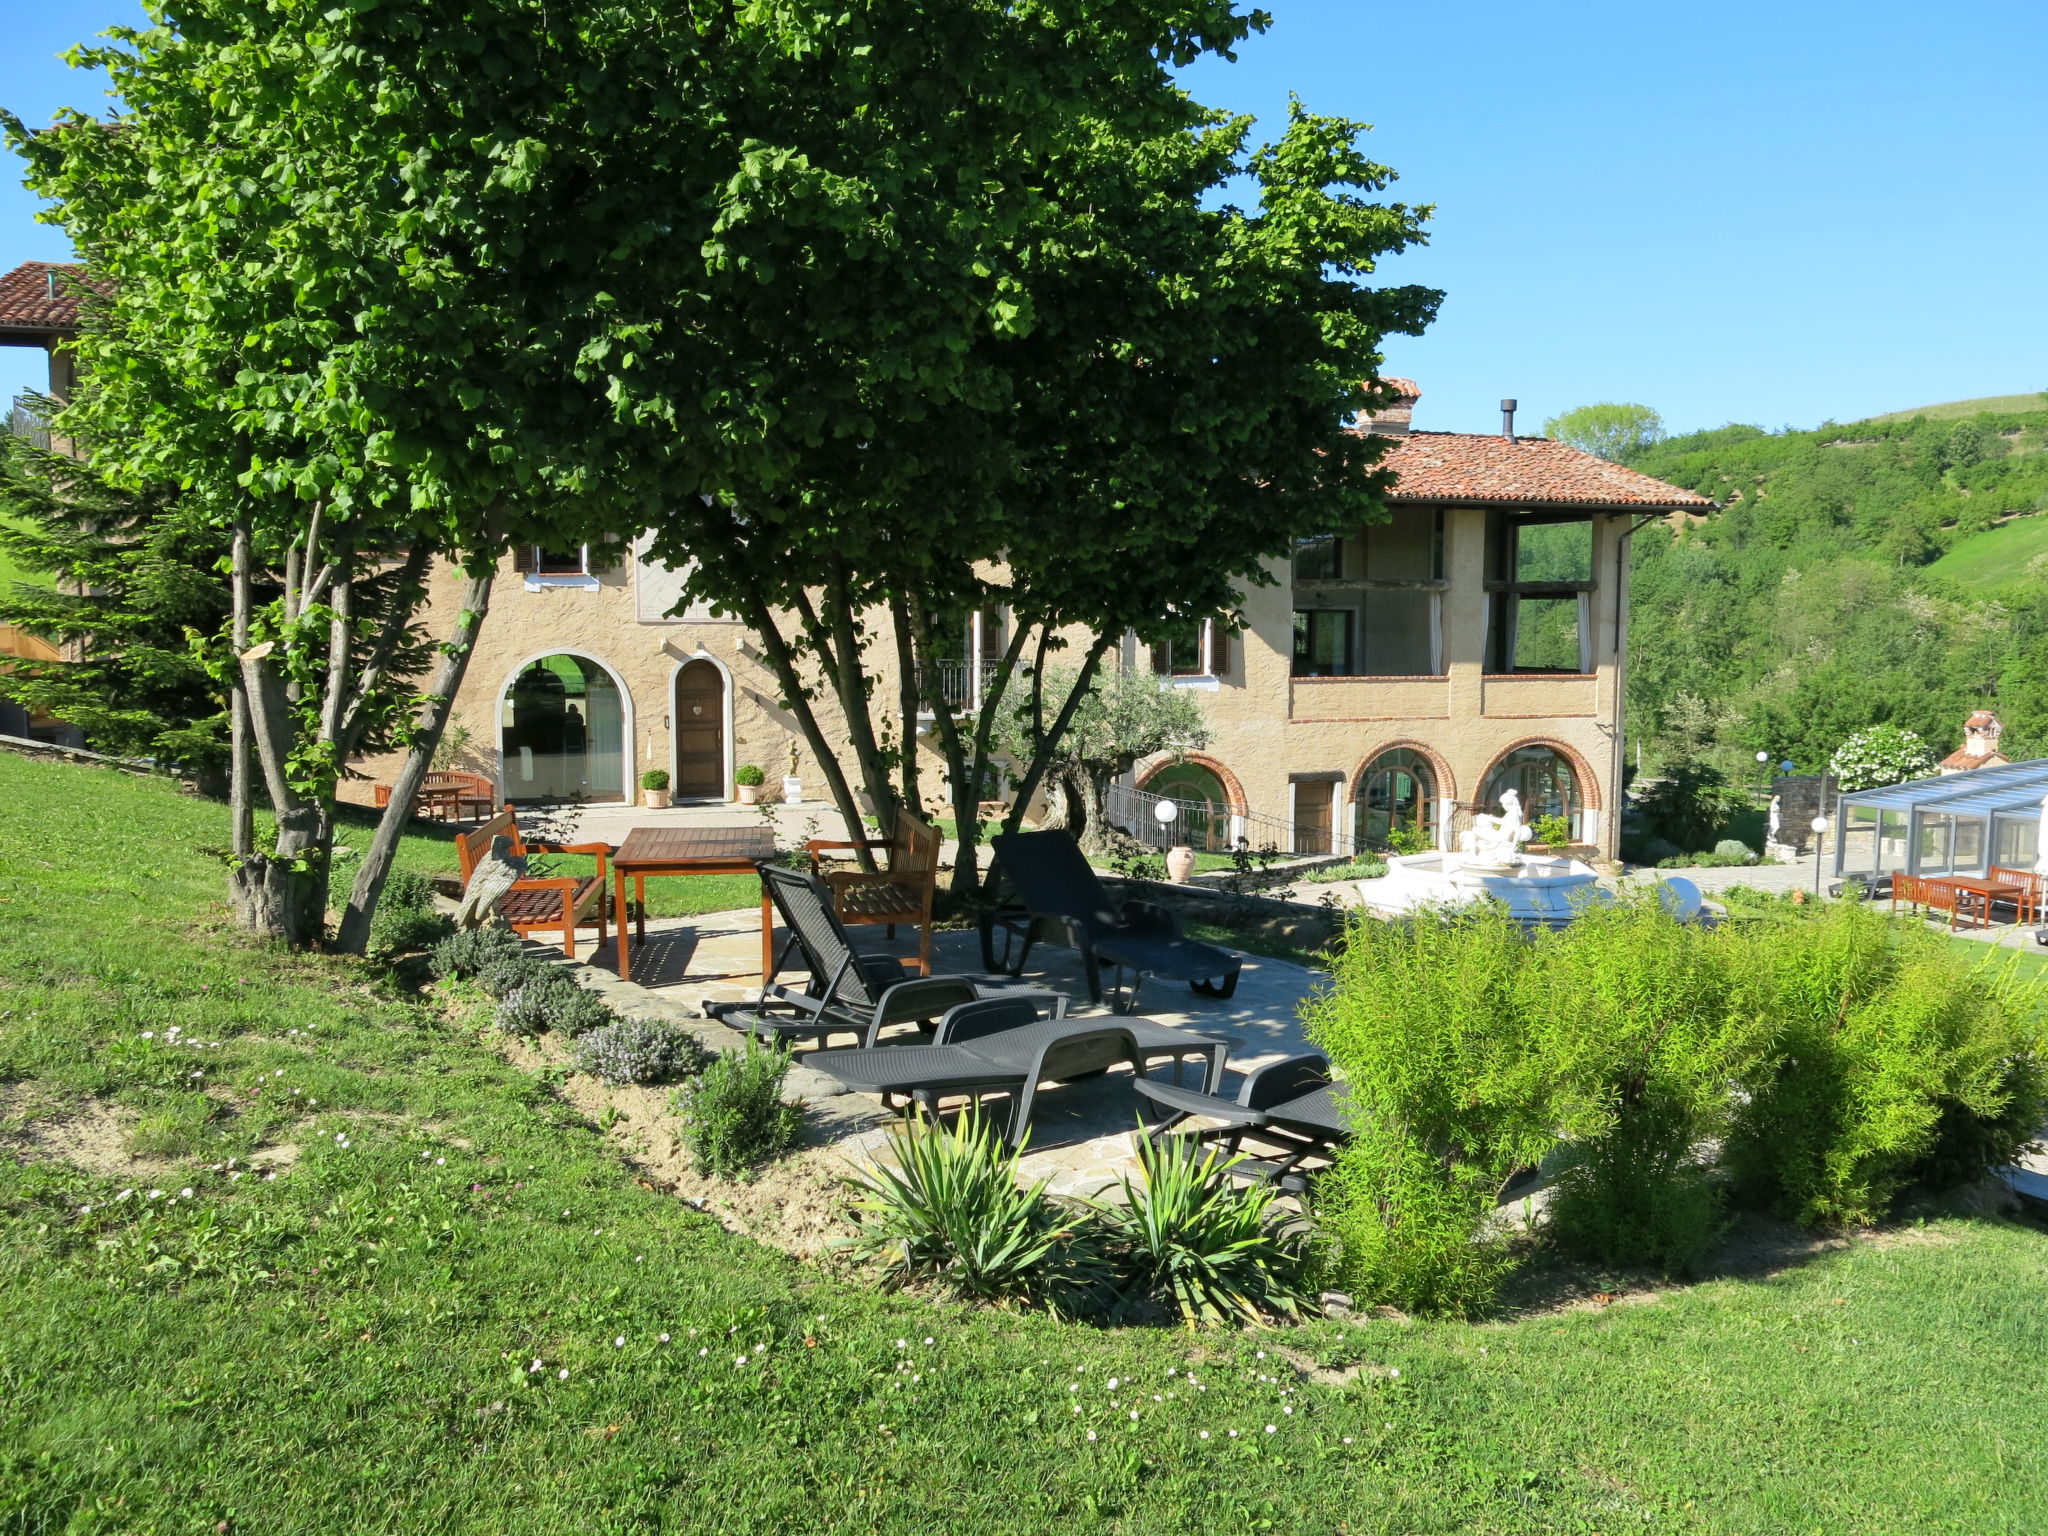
(1892, 570)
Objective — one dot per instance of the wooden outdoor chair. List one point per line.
(1916, 893)
(2029, 882)
(901, 893)
(446, 790)
(568, 902)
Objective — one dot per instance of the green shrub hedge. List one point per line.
(1815, 1066)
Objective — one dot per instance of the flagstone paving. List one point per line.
(1081, 1132)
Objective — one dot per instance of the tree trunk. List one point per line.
(281, 895)
(354, 936)
(241, 792)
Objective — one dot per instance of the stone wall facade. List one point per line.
(1288, 749)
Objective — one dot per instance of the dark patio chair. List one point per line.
(1062, 901)
(990, 1050)
(1263, 1088)
(846, 993)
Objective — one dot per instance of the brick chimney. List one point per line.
(1980, 745)
(1393, 421)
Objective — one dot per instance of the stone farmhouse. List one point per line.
(1400, 676)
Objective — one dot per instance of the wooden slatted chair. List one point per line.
(567, 902)
(1916, 893)
(2028, 881)
(901, 893)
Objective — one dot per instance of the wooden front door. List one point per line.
(700, 732)
(1312, 818)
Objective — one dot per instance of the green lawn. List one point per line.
(350, 1347)
(1996, 556)
(10, 572)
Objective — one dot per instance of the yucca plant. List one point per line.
(1188, 1237)
(952, 1212)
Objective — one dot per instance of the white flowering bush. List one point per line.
(1881, 755)
(637, 1051)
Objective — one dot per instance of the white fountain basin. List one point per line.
(1534, 889)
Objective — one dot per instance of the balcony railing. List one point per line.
(1205, 826)
(961, 684)
(23, 422)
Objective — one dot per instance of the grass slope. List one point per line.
(1996, 557)
(1949, 409)
(352, 1346)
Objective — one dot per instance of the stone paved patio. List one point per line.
(1081, 1132)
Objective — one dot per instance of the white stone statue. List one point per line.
(1497, 839)
(1771, 830)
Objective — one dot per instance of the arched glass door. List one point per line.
(1204, 823)
(563, 732)
(1396, 792)
(1543, 777)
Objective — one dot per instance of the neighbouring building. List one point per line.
(1980, 745)
(1399, 676)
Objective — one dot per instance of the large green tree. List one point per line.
(1617, 432)
(1173, 416)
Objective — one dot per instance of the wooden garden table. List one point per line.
(690, 851)
(1971, 891)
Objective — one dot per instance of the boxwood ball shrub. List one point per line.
(750, 775)
(654, 778)
(638, 1051)
(734, 1116)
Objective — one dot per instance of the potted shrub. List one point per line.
(654, 789)
(749, 780)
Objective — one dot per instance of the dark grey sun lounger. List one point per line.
(1062, 901)
(988, 1047)
(1259, 1111)
(847, 993)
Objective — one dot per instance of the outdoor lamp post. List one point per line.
(1820, 832)
(1763, 766)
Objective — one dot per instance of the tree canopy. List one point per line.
(1617, 432)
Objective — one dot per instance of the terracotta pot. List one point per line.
(749, 794)
(1180, 863)
(655, 799)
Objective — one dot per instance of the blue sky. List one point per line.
(1772, 213)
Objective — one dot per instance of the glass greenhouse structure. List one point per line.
(1959, 824)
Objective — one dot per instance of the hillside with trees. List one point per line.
(1889, 571)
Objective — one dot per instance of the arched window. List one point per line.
(1204, 822)
(1397, 790)
(562, 728)
(1543, 777)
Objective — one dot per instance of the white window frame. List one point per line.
(1205, 677)
(537, 581)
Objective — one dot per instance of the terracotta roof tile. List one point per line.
(27, 304)
(1469, 466)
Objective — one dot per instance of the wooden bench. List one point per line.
(902, 893)
(568, 902)
(1917, 892)
(449, 794)
(2028, 881)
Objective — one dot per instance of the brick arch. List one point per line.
(1233, 792)
(1589, 786)
(1446, 781)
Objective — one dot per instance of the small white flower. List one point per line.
(1112, 1383)
(1347, 1439)
(1076, 1407)
(185, 1193)
(425, 1155)
(85, 1210)
(440, 1162)
(1091, 1434)
(156, 1194)
(742, 1360)
(619, 1342)
(1073, 1386)
(1270, 1428)
(903, 1344)
(664, 1338)
(703, 1352)
(1205, 1434)
(236, 1174)
(533, 1367)
(1134, 1413)
(1233, 1434)
(927, 1338)
(1262, 1354)
(1288, 1409)
(562, 1374)
(124, 1194)
(149, 1034)
(1395, 1374)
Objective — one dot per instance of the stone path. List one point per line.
(1081, 1132)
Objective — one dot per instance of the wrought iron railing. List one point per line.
(23, 422)
(961, 684)
(1205, 826)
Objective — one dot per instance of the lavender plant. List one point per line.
(638, 1051)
